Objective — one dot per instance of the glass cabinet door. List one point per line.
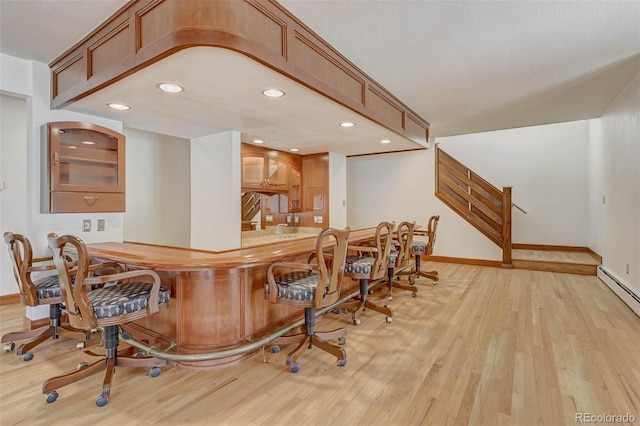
(86, 158)
(253, 171)
(277, 174)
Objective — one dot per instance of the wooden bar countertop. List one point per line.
(165, 258)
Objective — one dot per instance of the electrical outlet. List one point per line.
(100, 225)
(268, 218)
(86, 225)
(319, 219)
(288, 219)
(296, 219)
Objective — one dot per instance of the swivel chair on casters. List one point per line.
(36, 292)
(311, 286)
(107, 307)
(419, 248)
(369, 263)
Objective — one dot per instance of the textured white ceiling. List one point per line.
(465, 66)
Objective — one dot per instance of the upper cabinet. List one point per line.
(85, 166)
(267, 170)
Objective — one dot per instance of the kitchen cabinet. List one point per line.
(85, 168)
(262, 172)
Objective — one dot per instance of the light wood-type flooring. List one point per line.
(485, 346)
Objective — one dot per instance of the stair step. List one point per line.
(564, 261)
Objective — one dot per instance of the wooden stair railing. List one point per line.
(483, 205)
(250, 205)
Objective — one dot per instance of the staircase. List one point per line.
(488, 209)
(250, 205)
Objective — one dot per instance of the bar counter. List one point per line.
(217, 298)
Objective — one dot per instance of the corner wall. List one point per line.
(614, 173)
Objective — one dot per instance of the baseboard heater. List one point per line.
(625, 293)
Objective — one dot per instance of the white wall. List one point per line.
(547, 168)
(216, 191)
(13, 178)
(399, 187)
(614, 173)
(158, 189)
(337, 190)
(31, 80)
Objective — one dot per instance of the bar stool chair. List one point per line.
(420, 247)
(108, 307)
(311, 286)
(36, 292)
(366, 264)
(401, 258)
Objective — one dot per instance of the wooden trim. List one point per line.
(9, 299)
(143, 32)
(385, 152)
(464, 261)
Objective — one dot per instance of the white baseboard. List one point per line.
(620, 288)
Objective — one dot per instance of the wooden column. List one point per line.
(506, 227)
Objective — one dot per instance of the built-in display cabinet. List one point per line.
(85, 168)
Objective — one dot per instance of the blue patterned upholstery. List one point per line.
(123, 299)
(296, 285)
(47, 287)
(393, 257)
(419, 247)
(358, 264)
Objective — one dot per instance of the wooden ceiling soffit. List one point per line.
(143, 32)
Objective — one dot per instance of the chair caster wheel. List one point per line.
(82, 366)
(80, 345)
(414, 294)
(275, 349)
(342, 362)
(389, 320)
(94, 330)
(390, 297)
(155, 372)
(342, 340)
(27, 357)
(337, 311)
(9, 347)
(102, 401)
(356, 321)
(51, 397)
(139, 354)
(295, 368)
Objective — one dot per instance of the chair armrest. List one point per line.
(152, 302)
(273, 291)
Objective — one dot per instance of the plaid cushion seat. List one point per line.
(47, 287)
(123, 299)
(358, 265)
(419, 247)
(296, 285)
(393, 257)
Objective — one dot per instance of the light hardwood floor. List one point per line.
(485, 346)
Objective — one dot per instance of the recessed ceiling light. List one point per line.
(170, 87)
(72, 147)
(385, 141)
(294, 150)
(88, 143)
(347, 124)
(258, 141)
(120, 107)
(273, 93)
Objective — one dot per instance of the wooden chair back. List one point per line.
(405, 240)
(432, 227)
(334, 258)
(74, 291)
(383, 241)
(21, 254)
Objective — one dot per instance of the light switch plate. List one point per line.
(86, 225)
(100, 224)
